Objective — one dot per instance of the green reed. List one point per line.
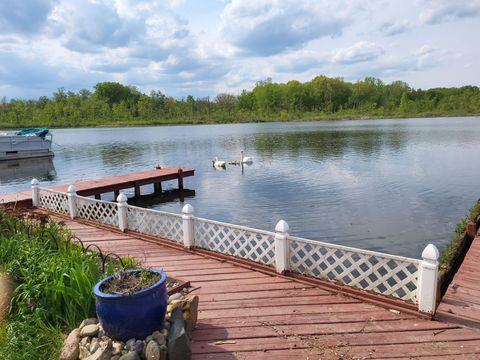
(54, 279)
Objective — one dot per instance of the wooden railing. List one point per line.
(410, 280)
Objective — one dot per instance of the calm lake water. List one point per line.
(385, 185)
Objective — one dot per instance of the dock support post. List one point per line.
(427, 280)
(122, 212)
(180, 179)
(157, 187)
(98, 196)
(281, 247)
(188, 227)
(137, 189)
(71, 194)
(116, 193)
(35, 192)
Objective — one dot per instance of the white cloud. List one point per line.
(438, 11)
(266, 27)
(359, 52)
(395, 28)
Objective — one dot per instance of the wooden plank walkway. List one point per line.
(244, 313)
(111, 184)
(461, 303)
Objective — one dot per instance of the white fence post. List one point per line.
(281, 246)
(35, 192)
(427, 279)
(72, 193)
(122, 212)
(188, 227)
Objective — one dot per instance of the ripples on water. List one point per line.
(385, 185)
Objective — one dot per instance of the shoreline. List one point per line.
(201, 121)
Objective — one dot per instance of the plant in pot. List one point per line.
(132, 303)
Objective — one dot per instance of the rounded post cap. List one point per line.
(187, 209)
(122, 198)
(430, 252)
(71, 189)
(35, 181)
(282, 226)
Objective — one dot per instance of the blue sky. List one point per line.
(205, 47)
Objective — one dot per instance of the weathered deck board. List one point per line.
(105, 185)
(244, 313)
(461, 303)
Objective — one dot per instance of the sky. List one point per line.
(206, 47)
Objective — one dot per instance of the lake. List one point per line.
(386, 185)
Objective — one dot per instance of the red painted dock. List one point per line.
(461, 303)
(111, 184)
(245, 313)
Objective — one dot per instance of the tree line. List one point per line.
(111, 104)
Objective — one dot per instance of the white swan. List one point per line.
(218, 163)
(246, 159)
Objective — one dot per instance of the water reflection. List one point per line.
(330, 144)
(387, 185)
(12, 171)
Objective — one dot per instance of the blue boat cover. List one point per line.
(42, 132)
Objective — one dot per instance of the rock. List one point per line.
(176, 296)
(90, 321)
(101, 333)
(148, 339)
(138, 346)
(116, 357)
(89, 330)
(190, 315)
(103, 353)
(158, 337)
(117, 347)
(84, 352)
(179, 346)
(70, 349)
(94, 345)
(131, 355)
(129, 344)
(6, 294)
(153, 351)
(165, 333)
(85, 342)
(163, 352)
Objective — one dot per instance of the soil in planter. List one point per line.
(127, 283)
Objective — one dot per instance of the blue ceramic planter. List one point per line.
(132, 316)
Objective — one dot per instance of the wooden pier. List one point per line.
(245, 313)
(461, 303)
(112, 184)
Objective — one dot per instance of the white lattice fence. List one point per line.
(157, 223)
(53, 200)
(96, 210)
(239, 241)
(367, 270)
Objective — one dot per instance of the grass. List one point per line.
(447, 257)
(54, 279)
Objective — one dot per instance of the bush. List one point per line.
(54, 279)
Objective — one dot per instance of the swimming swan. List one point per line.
(218, 163)
(246, 159)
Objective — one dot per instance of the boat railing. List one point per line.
(409, 280)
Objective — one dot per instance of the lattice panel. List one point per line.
(54, 201)
(165, 225)
(97, 210)
(385, 275)
(236, 241)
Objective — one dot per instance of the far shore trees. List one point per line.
(114, 104)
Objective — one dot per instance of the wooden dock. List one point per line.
(112, 184)
(246, 313)
(461, 303)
